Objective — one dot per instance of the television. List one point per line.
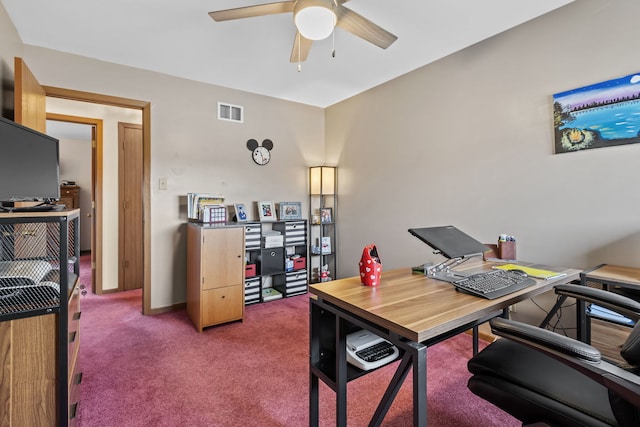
(29, 166)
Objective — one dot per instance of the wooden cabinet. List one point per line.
(215, 274)
(39, 319)
(70, 196)
(74, 375)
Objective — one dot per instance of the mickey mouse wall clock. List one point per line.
(261, 154)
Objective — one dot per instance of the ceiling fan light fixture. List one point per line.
(315, 22)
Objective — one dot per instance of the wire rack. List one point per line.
(30, 267)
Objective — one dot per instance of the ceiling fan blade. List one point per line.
(251, 11)
(301, 48)
(360, 26)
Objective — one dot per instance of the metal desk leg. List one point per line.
(314, 400)
(419, 385)
(314, 356)
(584, 323)
(392, 390)
(553, 311)
(341, 372)
(475, 340)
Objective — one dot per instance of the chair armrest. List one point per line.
(618, 303)
(543, 338)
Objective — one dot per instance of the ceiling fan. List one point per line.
(314, 20)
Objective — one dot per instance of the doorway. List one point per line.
(99, 196)
(80, 148)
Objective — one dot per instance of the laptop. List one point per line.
(449, 241)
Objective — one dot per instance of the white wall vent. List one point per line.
(232, 113)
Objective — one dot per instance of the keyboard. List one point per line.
(376, 352)
(494, 284)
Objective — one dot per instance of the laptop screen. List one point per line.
(449, 241)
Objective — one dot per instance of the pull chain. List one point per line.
(333, 43)
(299, 64)
(333, 33)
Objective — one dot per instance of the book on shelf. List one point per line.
(198, 202)
(270, 294)
(326, 245)
(606, 314)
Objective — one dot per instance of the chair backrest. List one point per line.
(631, 348)
(627, 414)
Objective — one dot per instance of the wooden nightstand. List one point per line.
(70, 196)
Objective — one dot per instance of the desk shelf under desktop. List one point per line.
(327, 321)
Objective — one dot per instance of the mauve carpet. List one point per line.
(158, 371)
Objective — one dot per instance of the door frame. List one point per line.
(145, 108)
(96, 193)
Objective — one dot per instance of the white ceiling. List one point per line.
(179, 38)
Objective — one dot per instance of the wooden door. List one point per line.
(30, 106)
(96, 216)
(131, 272)
(30, 98)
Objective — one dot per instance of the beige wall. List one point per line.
(75, 165)
(468, 141)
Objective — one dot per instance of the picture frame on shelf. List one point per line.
(290, 210)
(267, 211)
(326, 215)
(241, 212)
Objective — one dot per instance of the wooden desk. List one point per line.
(410, 310)
(604, 276)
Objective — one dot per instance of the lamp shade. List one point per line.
(322, 180)
(314, 20)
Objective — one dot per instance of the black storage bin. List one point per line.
(271, 261)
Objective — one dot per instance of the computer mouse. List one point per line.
(522, 273)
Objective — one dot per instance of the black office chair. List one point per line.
(541, 377)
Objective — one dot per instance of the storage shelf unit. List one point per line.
(323, 185)
(279, 265)
(40, 317)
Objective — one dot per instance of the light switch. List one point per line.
(162, 183)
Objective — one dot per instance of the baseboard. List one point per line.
(174, 307)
